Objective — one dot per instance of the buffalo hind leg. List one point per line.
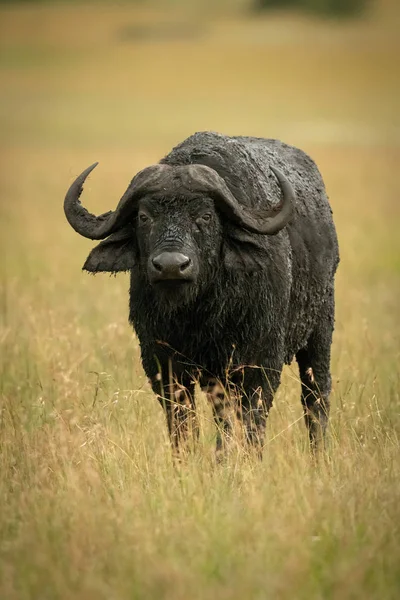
(224, 413)
(315, 376)
(241, 406)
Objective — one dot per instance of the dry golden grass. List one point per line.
(91, 505)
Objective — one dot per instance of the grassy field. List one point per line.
(91, 506)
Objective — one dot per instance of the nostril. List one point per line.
(170, 265)
(184, 265)
(156, 264)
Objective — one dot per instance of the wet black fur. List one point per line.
(258, 301)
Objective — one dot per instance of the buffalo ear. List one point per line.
(116, 253)
(243, 250)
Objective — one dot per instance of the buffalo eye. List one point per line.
(205, 218)
(143, 218)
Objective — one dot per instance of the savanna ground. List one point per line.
(91, 506)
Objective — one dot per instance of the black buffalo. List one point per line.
(232, 252)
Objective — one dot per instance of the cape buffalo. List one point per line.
(232, 252)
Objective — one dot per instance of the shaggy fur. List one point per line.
(256, 302)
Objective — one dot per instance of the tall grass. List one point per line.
(91, 504)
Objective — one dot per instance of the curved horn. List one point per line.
(267, 222)
(84, 222)
(98, 228)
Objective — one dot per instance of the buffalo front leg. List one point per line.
(177, 400)
(259, 387)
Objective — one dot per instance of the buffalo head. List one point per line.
(170, 222)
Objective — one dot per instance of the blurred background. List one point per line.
(121, 83)
(134, 75)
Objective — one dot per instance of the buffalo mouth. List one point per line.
(179, 292)
(172, 284)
